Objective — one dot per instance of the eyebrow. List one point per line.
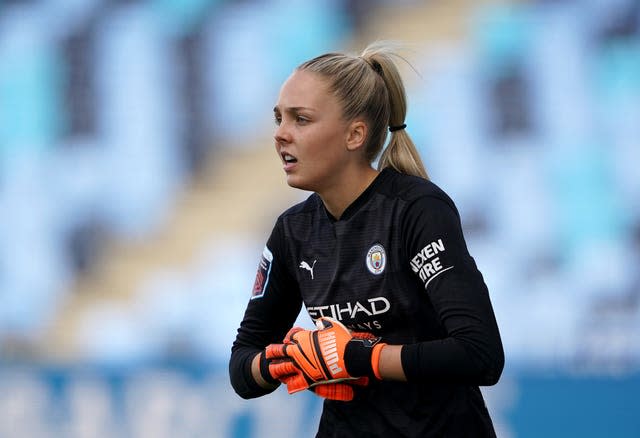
(292, 109)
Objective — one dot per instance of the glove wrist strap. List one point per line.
(264, 370)
(361, 357)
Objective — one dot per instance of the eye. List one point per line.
(277, 119)
(301, 119)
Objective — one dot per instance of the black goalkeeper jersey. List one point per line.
(396, 265)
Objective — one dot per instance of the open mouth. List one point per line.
(289, 159)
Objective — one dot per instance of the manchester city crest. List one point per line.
(376, 259)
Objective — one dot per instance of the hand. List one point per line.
(275, 366)
(320, 355)
(343, 391)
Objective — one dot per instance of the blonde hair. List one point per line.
(370, 86)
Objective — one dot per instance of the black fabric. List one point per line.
(267, 319)
(357, 358)
(241, 378)
(395, 265)
(264, 370)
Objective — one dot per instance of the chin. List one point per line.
(299, 183)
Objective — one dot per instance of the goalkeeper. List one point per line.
(405, 332)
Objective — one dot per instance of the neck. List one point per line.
(337, 199)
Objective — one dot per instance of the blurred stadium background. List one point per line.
(138, 185)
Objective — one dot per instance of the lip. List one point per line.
(287, 166)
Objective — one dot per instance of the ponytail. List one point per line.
(401, 153)
(370, 86)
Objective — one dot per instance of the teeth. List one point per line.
(288, 157)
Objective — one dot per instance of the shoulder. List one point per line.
(306, 207)
(297, 221)
(293, 222)
(417, 192)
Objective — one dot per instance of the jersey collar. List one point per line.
(355, 206)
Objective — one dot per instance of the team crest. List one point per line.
(376, 259)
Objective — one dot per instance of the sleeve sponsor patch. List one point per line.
(427, 263)
(262, 276)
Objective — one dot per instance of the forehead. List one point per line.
(304, 89)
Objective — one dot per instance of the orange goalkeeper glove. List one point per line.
(329, 354)
(275, 365)
(343, 391)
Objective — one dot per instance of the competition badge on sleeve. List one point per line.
(262, 276)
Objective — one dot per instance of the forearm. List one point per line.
(257, 374)
(454, 367)
(390, 365)
(443, 361)
(452, 360)
(244, 372)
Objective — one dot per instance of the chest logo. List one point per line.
(376, 259)
(305, 265)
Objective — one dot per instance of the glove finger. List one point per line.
(276, 351)
(292, 331)
(295, 382)
(325, 322)
(282, 368)
(335, 391)
(363, 335)
(348, 380)
(361, 381)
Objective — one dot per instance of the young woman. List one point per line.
(376, 251)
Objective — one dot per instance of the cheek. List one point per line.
(326, 146)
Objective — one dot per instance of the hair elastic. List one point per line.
(397, 128)
(375, 65)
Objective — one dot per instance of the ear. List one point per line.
(356, 135)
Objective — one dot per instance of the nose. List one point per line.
(282, 134)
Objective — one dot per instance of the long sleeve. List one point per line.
(471, 352)
(274, 305)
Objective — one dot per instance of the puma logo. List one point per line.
(305, 265)
(329, 351)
